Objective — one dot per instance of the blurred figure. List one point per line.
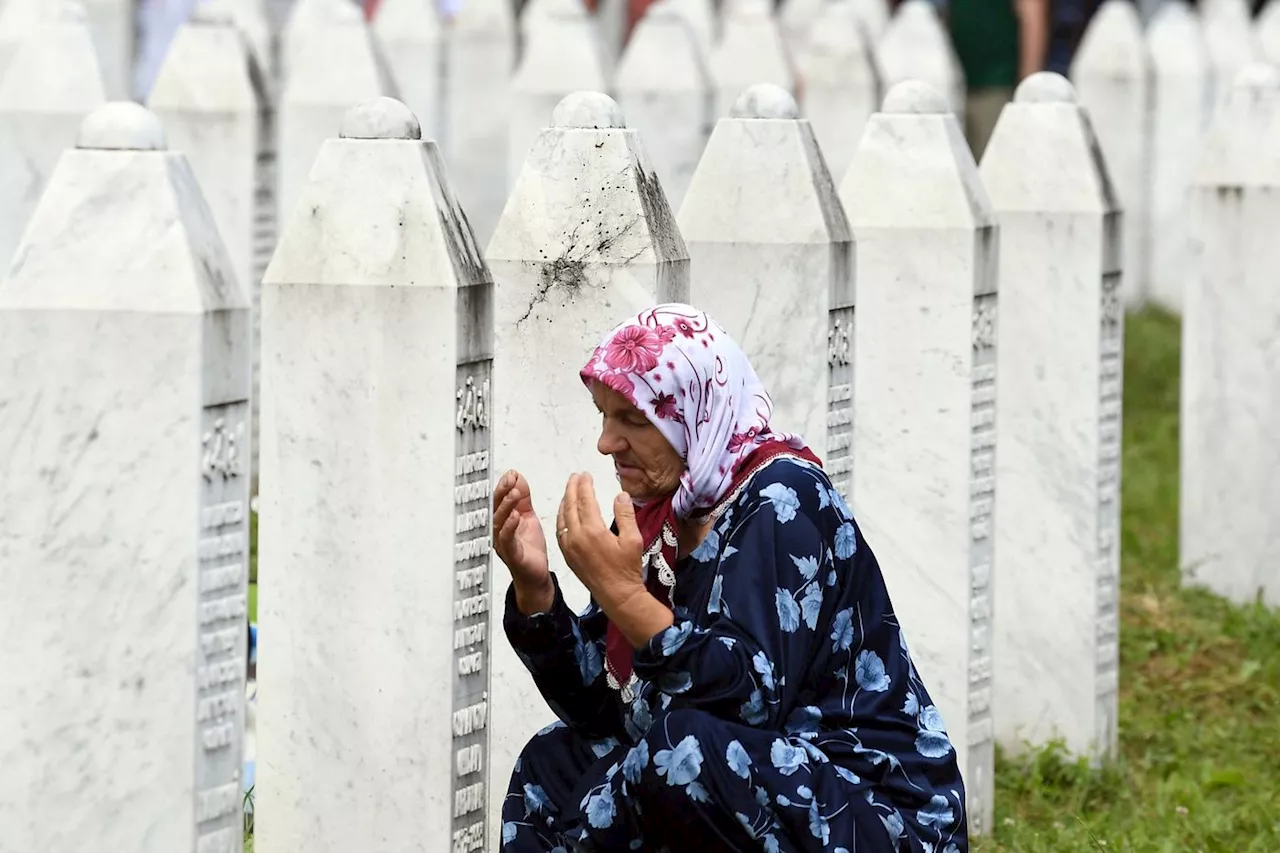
(1069, 19)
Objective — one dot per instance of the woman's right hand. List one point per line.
(521, 545)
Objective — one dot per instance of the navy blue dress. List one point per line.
(781, 711)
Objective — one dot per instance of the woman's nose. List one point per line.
(610, 442)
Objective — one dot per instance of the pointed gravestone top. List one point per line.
(1176, 41)
(58, 55)
(765, 100)
(380, 118)
(1112, 44)
(121, 126)
(665, 53)
(588, 110)
(407, 20)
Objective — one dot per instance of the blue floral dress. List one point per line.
(781, 711)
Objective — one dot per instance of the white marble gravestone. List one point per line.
(702, 18)
(1267, 31)
(377, 337)
(409, 34)
(1182, 89)
(750, 51)
(664, 89)
(332, 67)
(1230, 401)
(874, 14)
(586, 241)
(795, 20)
(112, 25)
(124, 400)
(1112, 76)
(1057, 552)
(771, 260)
(841, 81)
(48, 88)
(19, 17)
(305, 16)
(924, 446)
(1231, 41)
(916, 46)
(562, 54)
(479, 45)
(250, 17)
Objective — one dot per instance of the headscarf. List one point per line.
(683, 371)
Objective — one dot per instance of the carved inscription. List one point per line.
(222, 559)
(839, 459)
(982, 487)
(471, 606)
(1110, 383)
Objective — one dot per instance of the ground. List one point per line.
(1199, 764)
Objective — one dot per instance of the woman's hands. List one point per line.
(608, 565)
(521, 545)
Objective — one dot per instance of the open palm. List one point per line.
(518, 537)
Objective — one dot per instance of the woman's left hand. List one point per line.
(608, 565)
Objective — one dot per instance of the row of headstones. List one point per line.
(125, 346)
(1152, 95)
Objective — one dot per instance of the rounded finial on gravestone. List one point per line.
(380, 118)
(912, 97)
(1257, 77)
(121, 126)
(588, 110)
(765, 100)
(1045, 87)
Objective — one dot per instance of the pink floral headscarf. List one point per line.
(680, 368)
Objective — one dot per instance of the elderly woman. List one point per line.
(739, 680)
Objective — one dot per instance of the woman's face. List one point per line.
(647, 465)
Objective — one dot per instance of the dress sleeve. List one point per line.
(565, 655)
(746, 660)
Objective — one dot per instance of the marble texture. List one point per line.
(915, 45)
(409, 33)
(586, 240)
(924, 403)
(750, 51)
(562, 55)
(1057, 550)
(664, 88)
(332, 67)
(376, 314)
(479, 45)
(1232, 43)
(841, 80)
(1111, 72)
(49, 86)
(1230, 459)
(124, 388)
(1181, 98)
(771, 256)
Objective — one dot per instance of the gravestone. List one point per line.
(48, 88)
(702, 19)
(771, 260)
(250, 17)
(562, 55)
(332, 68)
(664, 88)
(841, 81)
(124, 344)
(915, 46)
(377, 341)
(1057, 551)
(795, 21)
(586, 240)
(479, 45)
(1230, 400)
(1181, 96)
(924, 445)
(19, 17)
(750, 51)
(1267, 30)
(409, 34)
(874, 15)
(305, 16)
(1111, 73)
(112, 25)
(1231, 41)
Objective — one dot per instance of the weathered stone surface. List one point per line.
(1230, 401)
(124, 394)
(586, 240)
(751, 51)
(924, 416)
(1057, 550)
(1112, 74)
(377, 341)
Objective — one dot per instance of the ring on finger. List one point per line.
(562, 532)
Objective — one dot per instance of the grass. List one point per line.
(1199, 763)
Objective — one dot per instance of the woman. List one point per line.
(739, 680)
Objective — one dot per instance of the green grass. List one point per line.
(1199, 764)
